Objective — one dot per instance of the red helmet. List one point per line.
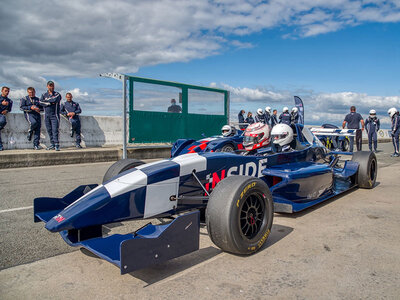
(257, 135)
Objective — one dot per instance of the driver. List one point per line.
(228, 130)
(282, 134)
(256, 136)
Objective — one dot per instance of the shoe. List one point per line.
(395, 155)
(57, 148)
(51, 147)
(71, 133)
(37, 147)
(29, 136)
(78, 146)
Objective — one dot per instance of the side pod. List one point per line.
(150, 245)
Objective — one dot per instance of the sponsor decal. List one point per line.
(59, 218)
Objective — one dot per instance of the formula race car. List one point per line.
(334, 138)
(238, 192)
(217, 143)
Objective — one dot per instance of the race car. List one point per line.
(217, 143)
(239, 193)
(340, 140)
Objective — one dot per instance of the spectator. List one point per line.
(394, 115)
(174, 108)
(274, 118)
(372, 125)
(353, 120)
(241, 120)
(51, 103)
(5, 108)
(285, 117)
(249, 119)
(31, 107)
(267, 115)
(71, 110)
(259, 118)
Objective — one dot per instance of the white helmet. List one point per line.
(285, 109)
(392, 111)
(372, 113)
(256, 136)
(228, 130)
(268, 109)
(282, 134)
(295, 109)
(259, 111)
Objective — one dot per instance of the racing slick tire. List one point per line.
(345, 145)
(239, 214)
(367, 169)
(121, 166)
(228, 148)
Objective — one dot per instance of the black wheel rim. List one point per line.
(372, 170)
(252, 215)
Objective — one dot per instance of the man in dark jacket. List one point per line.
(51, 103)
(394, 115)
(71, 110)
(372, 125)
(353, 120)
(241, 119)
(31, 107)
(5, 108)
(274, 118)
(285, 117)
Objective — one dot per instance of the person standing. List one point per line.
(31, 107)
(249, 119)
(372, 125)
(353, 120)
(285, 117)
(5, 107)
(274, 118)
(174, 108)
(51, 103)
(294, 115)
(260, 118)
(267, 115)
(71, 110)
(241, 120)
(394, 115)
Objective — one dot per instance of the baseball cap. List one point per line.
(50, 82)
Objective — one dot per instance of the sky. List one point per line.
(331, 53)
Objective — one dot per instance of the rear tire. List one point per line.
(121, 166)
(228, 148)
(367, 169)
(239, 214)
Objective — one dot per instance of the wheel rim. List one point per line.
(252, 215)
(372, 170)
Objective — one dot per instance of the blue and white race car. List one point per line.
(239, 193)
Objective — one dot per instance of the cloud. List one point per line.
(83, 38)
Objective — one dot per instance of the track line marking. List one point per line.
(15, 209)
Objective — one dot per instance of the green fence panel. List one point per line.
(155, 127)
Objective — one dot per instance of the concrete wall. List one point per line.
(96, 132)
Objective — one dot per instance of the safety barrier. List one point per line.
(97, 131)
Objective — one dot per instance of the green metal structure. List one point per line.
(149, 126)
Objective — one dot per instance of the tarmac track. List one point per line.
(345, 248)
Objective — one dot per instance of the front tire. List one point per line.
(239, 214)
(121, 166)
(367, 169)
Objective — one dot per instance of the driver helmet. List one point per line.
(282, 134)
(228, 130)
(285, 109)
(268, 109)
(295, 110)
(372, 113)
(256, 136)
(259, 111)
(392, 111)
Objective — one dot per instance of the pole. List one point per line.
(124, 151)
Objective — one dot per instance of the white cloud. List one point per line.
(84, 38)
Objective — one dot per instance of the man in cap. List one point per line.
(372, 125)
(51, 103)
(5, 108)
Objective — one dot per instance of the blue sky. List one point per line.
(331, 53)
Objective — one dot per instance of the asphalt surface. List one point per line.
(345, 248)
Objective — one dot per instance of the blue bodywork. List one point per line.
(297, 180)
(210, 144)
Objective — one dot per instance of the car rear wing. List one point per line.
(318, 131)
